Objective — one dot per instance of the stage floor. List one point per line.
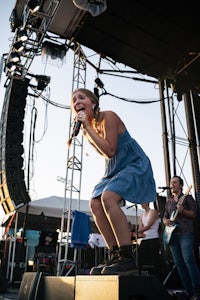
(13, 294)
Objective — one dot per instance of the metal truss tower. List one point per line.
(73, 175)
(35, 26)
(180, 137)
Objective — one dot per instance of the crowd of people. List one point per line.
(129, 177)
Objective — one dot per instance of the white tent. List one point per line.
(53, 207)
(46, 213)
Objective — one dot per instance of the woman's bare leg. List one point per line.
(110, 219)
(102, 222)
(113, 225)
(116, 217)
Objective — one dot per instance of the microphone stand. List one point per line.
(136, 231)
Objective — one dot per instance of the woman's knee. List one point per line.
(95, 205)
(109, 200)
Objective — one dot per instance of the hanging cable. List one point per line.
(130, 100)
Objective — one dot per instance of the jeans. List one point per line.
(182, 250)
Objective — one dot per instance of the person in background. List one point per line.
(181, 243)
(128, 176)
(149, 248)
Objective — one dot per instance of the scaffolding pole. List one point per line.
(73, 177)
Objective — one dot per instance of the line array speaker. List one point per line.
(13, 191)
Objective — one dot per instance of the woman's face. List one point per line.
(145, 205)
(80, 101)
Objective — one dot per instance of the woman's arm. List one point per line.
(153, 217)
(106, 140)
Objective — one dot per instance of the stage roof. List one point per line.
(159, 39)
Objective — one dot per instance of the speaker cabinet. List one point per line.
(30, 285)
(119, 288)
(41, 286)
(62, 288)
(13, 191)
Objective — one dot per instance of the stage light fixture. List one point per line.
(14, 20)
(53, 50)
(14, 56)
(17, 72)
(18, 46)
(34, 5)
(99, 83)
(22, 35)
(95, 7)
(11, 66)
(42, 82)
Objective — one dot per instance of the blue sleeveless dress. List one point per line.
(128, 173)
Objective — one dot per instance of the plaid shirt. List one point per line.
(184, 224)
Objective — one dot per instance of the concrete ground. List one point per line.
(10, 294)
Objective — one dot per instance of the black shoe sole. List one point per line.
(96, 271)
(126, 273)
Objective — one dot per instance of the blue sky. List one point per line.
(50, 156)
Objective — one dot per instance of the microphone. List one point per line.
(77, 126)
(164, 187)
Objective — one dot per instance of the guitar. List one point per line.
(169, 229)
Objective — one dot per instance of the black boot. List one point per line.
(114, 256)
(125, 265)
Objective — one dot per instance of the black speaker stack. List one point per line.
(13, 190)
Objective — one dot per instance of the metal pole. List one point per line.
(193, 145)
(165, 134)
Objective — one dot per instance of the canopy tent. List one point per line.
(46, 213)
